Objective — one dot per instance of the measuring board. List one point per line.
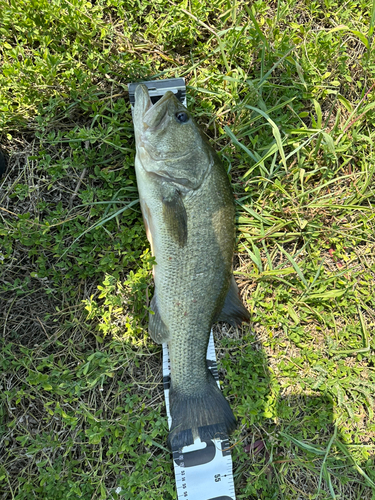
(157, 88)
(203, 470)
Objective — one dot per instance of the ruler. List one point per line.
(203, 470)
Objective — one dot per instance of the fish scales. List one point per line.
(198, 287)
(188, 209)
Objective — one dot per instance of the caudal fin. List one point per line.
(206, 414)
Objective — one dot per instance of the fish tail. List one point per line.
(206, 414)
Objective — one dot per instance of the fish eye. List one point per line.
(182, 117)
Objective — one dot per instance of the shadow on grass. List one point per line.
(67, 401)
(291, 446)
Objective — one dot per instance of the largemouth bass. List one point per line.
(188, 210)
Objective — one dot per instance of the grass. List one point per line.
(285, 91)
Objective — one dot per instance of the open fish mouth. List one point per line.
(150, 115)
(150, 118)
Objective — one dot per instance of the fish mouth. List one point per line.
(157, 114)
(150, 115)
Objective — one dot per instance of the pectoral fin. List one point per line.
(156, 328)
(146, 214)
(233, 311)
(174, 214)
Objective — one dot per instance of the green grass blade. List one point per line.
(275, 132)
(372, 20)
(323, 467)
(235, 141)
(100, 223)
(304, 446)
(295, 265)
(344, 449)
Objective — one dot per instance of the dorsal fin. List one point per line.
(233, 311)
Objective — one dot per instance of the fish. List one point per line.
(189, 214)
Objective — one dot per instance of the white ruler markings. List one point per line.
(203, 471)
